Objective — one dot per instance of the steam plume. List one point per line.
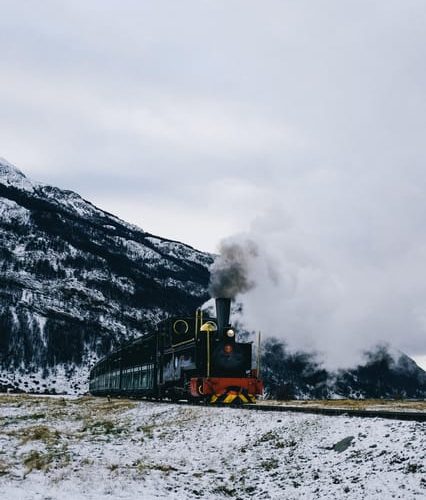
(298, 288)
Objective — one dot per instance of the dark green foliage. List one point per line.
(290, 375)
(6, 326)
(293, 375)
(383, 376)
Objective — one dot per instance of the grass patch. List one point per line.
(142, 466)
(39, 433)
(148, 430)
(4, 468)
(269, 464)
(44, 461)
(35, 460)
(356, 404)
(100, 427)
(20, 418)
(268, 436)
(9, 399)
(31, 416)
(223, 490)
(102, 404)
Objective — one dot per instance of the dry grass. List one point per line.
(361, 404)
(148, 430)
(358, 404)
(11, 399)
(39, 419)
(42, 433)
(35, 460)
(56, 457)
(4, 468)
(86, 408)
(101, 427)
(39, 433)
(142, 466)
(269, 464)
(90, 406)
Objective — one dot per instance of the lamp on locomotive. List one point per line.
(209, 326)
(229, 334)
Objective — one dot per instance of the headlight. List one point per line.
(230, 333)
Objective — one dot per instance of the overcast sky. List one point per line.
(302, 123)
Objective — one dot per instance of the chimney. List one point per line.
(223, 310)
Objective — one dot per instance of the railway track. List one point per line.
(408, 415)
(417, 416)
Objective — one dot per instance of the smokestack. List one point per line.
(223, 311)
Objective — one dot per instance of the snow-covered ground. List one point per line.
(72, 448)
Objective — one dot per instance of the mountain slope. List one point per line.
(383, 373)
(76, 281)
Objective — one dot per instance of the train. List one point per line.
(197, 359)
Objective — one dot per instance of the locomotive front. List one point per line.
(227, 375)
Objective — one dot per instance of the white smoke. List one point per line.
(317, 298)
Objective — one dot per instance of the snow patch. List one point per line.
(90, 448)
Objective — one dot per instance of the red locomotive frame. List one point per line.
(227, 390)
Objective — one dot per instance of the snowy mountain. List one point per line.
(76, 281)
(383, 373)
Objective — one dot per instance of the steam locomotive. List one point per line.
(194, 358)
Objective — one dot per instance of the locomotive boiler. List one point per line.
(194, 358)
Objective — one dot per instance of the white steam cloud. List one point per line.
(317, 299)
